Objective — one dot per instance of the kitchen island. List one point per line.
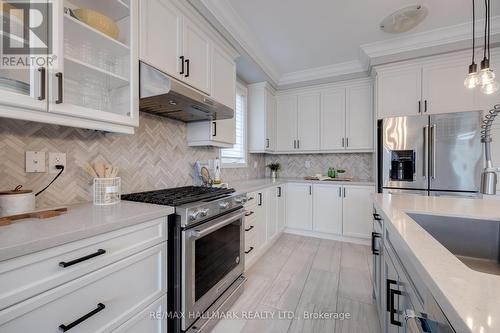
(470, 299)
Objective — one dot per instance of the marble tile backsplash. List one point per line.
(359, 166)
(155, 157)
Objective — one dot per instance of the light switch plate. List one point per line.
(56, 159)
(35, 161)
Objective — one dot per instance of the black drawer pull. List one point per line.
(375, 251)
(394, 311)
(249, 250)
(249, 213)
(260, 199)
(76, 261)
(251, 227)
(388, 293)
(59, 77)
(250, 199)
(65, 328)
(377, 217)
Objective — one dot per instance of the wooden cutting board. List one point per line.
(40, 214)
(338, 179)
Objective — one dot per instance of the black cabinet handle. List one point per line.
(298, 144)
(251, 227)
(182, 65)
(59, 99)
(279, 191)
(214, 132)
(267, 143)
(42, 72)
(249, 213)
(377, 217)
(419, 106)
(310, 190)
(375, 235)
(260, 199)
(344, 193)
(394, 311)
(425, 106)
(65, 328)
(76, 261)
(347, 142)
(187, 68)
(249, 250)
(388, 294)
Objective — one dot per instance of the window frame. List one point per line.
(240, 90)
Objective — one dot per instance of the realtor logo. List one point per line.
(26, 28)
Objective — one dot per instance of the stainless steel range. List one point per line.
(205, 253)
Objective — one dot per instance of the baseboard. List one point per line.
(322, 235)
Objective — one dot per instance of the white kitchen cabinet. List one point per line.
(223, 77)
(286, 124)
(327, 208)
(145, 321)
(281, 208)
(359, 117)
(261, 118)
(262, 216)
(308, 122)
(333, 114)
(161, 22)
(102, 290)
(399, 92)
(272, 211)
(357, 211)
(299, 206)
(443, 88)
(219, 133)
(196, 50)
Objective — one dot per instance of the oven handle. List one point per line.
(199, 233)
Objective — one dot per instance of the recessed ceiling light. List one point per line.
(404, 19)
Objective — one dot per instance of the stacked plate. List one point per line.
(14, 86)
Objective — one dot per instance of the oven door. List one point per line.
(213, 259)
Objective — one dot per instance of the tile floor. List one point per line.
(303, 275)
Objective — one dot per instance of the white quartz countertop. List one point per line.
(470, 299)
(260, 183)
(81, 221)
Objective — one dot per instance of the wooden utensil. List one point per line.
(42, 214)
(99, 169)
(90, 170)
(108, 169)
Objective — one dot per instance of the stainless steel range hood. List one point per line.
(164, 96)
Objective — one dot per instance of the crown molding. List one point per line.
(323, 72)
(227, 16)
(427, 39)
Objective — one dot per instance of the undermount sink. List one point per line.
(474, 242)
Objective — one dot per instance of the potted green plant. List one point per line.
(274, 167)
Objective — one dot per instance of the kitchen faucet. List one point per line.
(489, 175)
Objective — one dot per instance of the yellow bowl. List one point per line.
(98, 21)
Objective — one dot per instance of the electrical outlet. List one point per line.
(35, 161)
(308, 164)
(56, 159)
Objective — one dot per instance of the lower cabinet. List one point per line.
(332, 209)
(97, 302)
(281, 207)
(357, 211)
(327, 208)
(149, 320)
(299, 206)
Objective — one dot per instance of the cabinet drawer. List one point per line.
(121, 290)
(26, 276)
(150, 320)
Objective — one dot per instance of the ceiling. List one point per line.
(297, 39)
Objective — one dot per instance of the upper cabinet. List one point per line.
(331, 118)
(261, 118)
(431, 85)
(90, 77)
(196, 47)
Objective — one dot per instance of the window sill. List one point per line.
(234, 165)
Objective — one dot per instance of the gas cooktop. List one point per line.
(178, 196)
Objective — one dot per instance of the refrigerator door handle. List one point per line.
(426, 151)
(434, 150)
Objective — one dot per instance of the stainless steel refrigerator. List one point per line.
(431, 155)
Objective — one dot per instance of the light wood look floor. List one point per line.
(307, 275)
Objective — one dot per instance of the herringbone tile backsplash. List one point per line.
(155, 157)
(358, 166)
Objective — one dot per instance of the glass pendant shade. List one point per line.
(487, 76)
(472, 79)
(490, 88)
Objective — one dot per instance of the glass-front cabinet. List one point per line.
(22, 82)
(90, 78)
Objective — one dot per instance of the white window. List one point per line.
(237, 156)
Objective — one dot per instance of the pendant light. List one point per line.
(486, 75)
(472, 79)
